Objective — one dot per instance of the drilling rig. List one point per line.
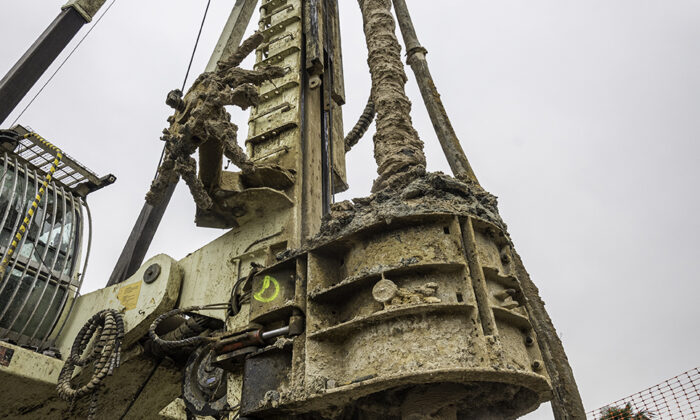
(410, 303)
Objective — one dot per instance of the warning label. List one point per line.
(129, 295)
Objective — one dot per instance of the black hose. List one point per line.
(362, 125)
(235, 302)
(189, 327)
(108, 327)
(185, 337)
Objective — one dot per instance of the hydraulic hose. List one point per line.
(175, 342)
(107, 327)
(362, 125)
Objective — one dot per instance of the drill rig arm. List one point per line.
(32, 65)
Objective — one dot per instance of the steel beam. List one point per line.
(140, 238)
(233, 32)
(27, 71)
(456, 157)
(211, 154)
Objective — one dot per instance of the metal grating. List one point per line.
(70, 173)
(32, 151)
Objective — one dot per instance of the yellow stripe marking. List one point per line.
(30, 213)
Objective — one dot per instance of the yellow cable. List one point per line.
(23, 228)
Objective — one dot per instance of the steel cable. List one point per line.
(196, 44)
(187, 75)
(64, 62)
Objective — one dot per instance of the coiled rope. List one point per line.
(40, 194)
(107, 328)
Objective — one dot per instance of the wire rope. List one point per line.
(65, 60)
(196, 44)
(187, 75)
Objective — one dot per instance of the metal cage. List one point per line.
(43, 276)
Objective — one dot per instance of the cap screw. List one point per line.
(151, 273)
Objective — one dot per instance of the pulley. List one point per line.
(204, 385)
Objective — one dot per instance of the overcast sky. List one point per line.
(581, 116)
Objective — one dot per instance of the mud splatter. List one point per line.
(428, 194)
(200, 117)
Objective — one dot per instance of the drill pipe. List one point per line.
(456, 157)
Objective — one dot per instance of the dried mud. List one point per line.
(397, 148)
(201, 122)
(432, 193)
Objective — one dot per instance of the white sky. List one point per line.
(582, 116)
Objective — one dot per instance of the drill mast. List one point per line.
(408, 304)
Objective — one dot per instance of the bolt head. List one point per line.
(151, 273)
(384, 291)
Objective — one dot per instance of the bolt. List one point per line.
(537, 365)
(314, 81)
(384, 291)
(151, 273)
(529, 341)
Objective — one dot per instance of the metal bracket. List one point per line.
(87, 8)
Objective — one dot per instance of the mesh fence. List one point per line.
(676, 398)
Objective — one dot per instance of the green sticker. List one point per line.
(266, 285)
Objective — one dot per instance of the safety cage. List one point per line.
(43, 235)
